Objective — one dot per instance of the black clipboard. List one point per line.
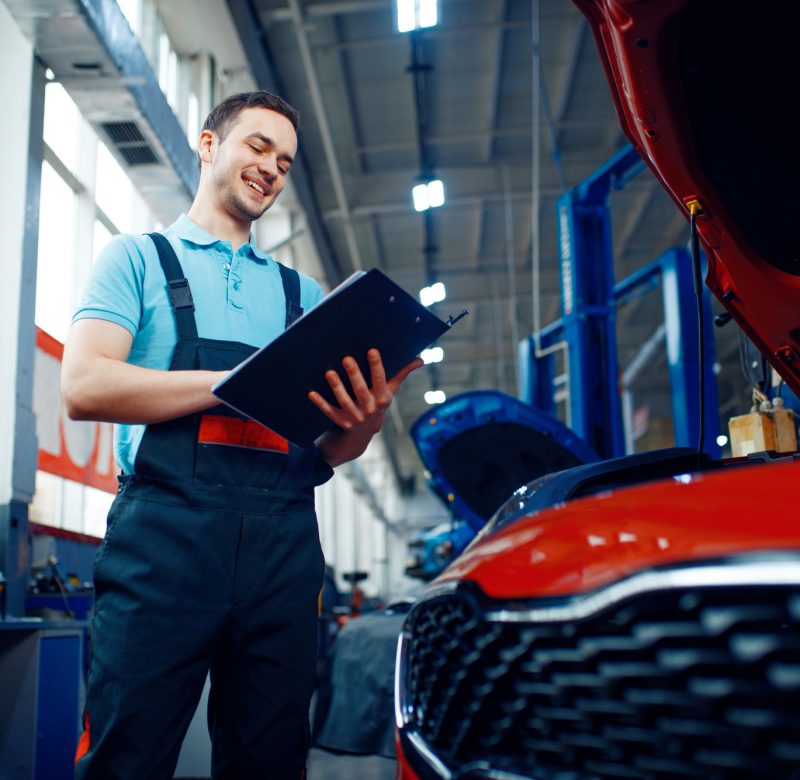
(367, 310)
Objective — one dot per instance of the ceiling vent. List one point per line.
(92, 51)
(130, 143)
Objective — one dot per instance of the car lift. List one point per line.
(589, 301)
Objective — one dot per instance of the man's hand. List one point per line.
(360, 416)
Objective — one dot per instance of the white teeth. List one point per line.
(255, 186)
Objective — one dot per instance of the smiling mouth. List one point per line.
(257, 187)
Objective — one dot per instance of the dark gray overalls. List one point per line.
(211, 560)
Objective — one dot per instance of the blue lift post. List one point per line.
(589, 300)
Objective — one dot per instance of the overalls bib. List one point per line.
(211, 561)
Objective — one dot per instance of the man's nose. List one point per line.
(268, 167)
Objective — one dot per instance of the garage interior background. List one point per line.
(504, 101)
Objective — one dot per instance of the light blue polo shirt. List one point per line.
(238, 296)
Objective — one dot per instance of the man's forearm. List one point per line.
(110, 390)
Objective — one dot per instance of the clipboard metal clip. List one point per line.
(453, 320)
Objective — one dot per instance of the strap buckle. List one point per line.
(180, 295)
(293, 312)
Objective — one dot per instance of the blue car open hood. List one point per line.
(480, 446)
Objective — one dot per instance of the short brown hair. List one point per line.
(223, 115)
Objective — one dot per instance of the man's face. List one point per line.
(248, 168)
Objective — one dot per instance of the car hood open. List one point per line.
(708, 91)
(479, 447)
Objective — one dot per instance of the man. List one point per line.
(211, 559)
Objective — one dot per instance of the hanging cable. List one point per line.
(536, 80)
(694, 210)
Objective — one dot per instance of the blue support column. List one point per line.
(588, 316)
(683, 357)
(537, 374)
(589, 301)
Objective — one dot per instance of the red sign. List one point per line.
(76, 450)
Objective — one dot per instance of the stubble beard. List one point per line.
(235, 204)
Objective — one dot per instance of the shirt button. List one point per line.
(227, 266)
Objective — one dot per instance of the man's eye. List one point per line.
(254, 148)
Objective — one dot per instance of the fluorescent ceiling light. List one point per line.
(433, 294)
(412, 14)
(422, 200)
(436, 193)
(435, 397)
(406, 15)
(432, 355)
(427, 13)
(429, 195)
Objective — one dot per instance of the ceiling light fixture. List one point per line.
(432, 355)
(428, 195)
(435, 397)
(433, 294)
(416, 14)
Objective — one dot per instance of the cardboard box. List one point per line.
(785, 432)
(754, 432)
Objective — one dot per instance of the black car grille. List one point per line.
(691, 683)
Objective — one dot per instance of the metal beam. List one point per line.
(125, 50)
(494, 74)
(325, 133)
(253, 39)
(561, 101)
(402, 207)
(389, 434)
(14, 545)
(321, 10)
(117, 85)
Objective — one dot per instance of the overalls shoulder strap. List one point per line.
(180, 295)
(291, 290)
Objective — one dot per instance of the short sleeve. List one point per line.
(114, 290)
(310, 292)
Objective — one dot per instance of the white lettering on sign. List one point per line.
(565, 249)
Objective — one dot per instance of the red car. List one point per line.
(640, 618)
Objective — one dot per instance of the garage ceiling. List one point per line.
(506, 102)
(381, 109)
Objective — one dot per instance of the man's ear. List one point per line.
(205, 145)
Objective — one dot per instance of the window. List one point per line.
(86, 197)
(56, 258)
(62, 125)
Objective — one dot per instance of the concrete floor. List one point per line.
(323, 765)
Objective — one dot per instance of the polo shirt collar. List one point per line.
(187, 230)
(260, 254)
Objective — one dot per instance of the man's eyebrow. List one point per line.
(269, 142)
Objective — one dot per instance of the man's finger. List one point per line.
(331, 412)
(377, 373)
(359, 384)
(400, 376)
(342, 396)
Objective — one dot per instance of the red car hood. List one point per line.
(708, 91)
(592, 542)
